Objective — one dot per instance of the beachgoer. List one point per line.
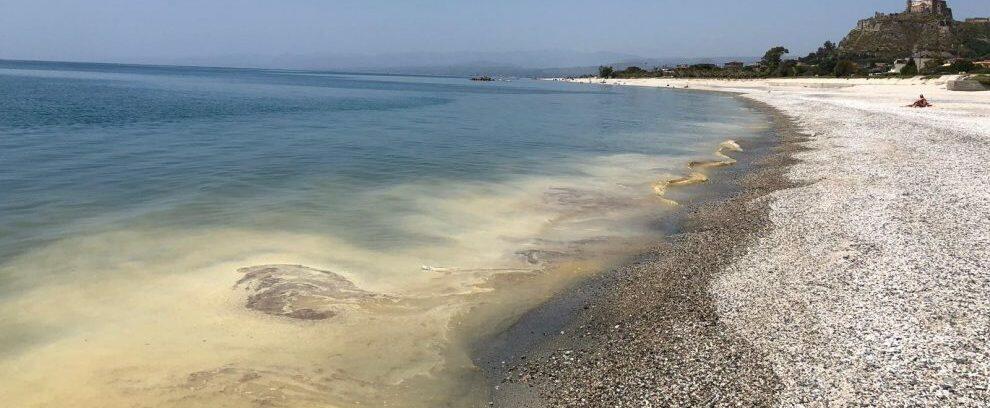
(920, 103)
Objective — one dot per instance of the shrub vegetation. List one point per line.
(826, 61)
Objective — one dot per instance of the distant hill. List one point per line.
(492, 68)
(548, 63)
(409, 61)
(892, 36)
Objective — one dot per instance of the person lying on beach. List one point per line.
(920, 103)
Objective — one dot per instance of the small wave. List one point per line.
(724, 159)
(694, 178)
(661, 187)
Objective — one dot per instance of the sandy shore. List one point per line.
(852, 269)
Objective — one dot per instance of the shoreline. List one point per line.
(848, 271)
(581, 319)
(312, 316)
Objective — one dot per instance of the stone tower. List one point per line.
(936, 7)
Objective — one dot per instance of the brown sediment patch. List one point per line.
(693, 178)
(661, 188)
(578, 200)
(299, 292)
(546, 252)
(648, 333)
(263, 387)
(725, 160)
(540, 256)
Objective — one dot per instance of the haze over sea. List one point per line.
(133, 194)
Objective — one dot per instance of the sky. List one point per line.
(163, 31)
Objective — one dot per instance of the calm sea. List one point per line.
(132, 194)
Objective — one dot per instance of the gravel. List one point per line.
(852, 270)
(873, 286)
(648, 334)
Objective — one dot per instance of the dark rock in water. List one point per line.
(299, 292)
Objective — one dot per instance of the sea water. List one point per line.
(131, 196)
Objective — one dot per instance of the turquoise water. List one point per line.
(118, 179)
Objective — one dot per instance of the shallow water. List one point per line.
(132, 195)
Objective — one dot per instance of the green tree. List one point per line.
(771, 60)
(774, 55)
(828, 49)
(605, 72)
(804, 70)
(911, 69)
(827, 65)
(962, 65)
(845, 68)
(785, 69)
(933, 66)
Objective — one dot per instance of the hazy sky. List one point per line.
(160, 30)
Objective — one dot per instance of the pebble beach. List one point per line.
(850, 270)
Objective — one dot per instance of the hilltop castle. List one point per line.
(923, 27)
(937, 7)
(937, 10)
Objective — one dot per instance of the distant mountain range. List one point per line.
(547, 63)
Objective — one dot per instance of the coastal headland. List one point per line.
(848, 268)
